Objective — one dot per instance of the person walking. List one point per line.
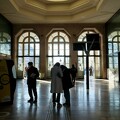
(73, 71)
(56, 84)
(32, 74)
(67, 84)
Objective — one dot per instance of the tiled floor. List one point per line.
(101, 102)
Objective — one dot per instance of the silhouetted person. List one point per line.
(67, 84)
(32, 74)
(73, 71)
(91, 71)
(56, 84)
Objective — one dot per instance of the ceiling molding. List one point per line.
(71, 11)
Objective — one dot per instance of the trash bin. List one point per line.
(7, 81)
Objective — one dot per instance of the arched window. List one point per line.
(58, 49)
(28, 50)
(5, 44)
(94, 58)
(113, 48)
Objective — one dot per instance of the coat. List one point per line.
(32, 80)
(56, 82)
(66, 79)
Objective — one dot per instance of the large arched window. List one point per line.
(113, 48)
(5, 44)
(28, 50)
(58, 49)
(94, 57)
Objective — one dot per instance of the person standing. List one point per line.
(67, 84)
(56, 84)
(73, 71)
(32, 74)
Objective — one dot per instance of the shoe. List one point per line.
(54, 104)
(30, 100)
(66, 104)
(59, 105)
(35, 101)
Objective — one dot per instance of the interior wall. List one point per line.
(73, 29)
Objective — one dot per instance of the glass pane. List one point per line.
(97, 67)
(80, 63)
(109, 46)
(37, 49)
(31, 49)
(115, 60)
(55, 52)
(115, 39)
(20, 64)
(21, 39)
(55, 46)
(55, 39)
(91, 52)
(25, 49)
(32, 34)
(26, 60)
(79, 52)
(110, 65)
(50, 63)
(55, 34)
(58, 59)
(31, 39)
(66, 38)
(49, 49)
(97, 52)
(110, 60)
(55, 49)
(61, 39)
(109, 38)
(67, 62)
(20, 49)
(61, 60)
(50, 39)
(3, 40)
(7, 36)
(31, 59)
(25, 34)
(5, 49)
(26, 52)
(110, 52)
(67, 51)
(37, 62)
(115, 47)
(62, 34)
(8, 49)
(25, 46)
(119, 46)
(119, 38)
(36, 39)
(61, 50)
(26, 40)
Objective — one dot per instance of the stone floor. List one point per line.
(101, 102)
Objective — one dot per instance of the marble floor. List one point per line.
(101, 102)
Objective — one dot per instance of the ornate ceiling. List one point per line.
(59, 11)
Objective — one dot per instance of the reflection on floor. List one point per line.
(101, 102)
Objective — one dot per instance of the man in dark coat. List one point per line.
(73, 71)
(32, 74)
(67, 84)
